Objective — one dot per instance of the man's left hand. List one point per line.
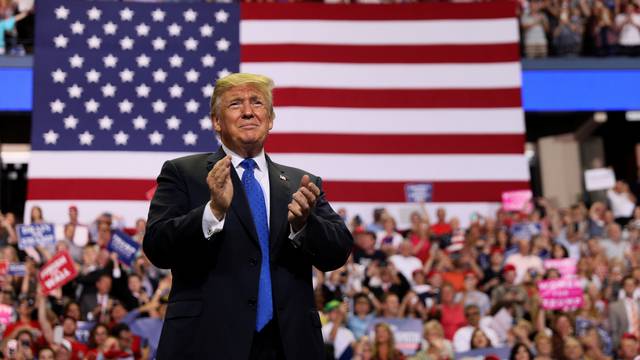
(302, 203)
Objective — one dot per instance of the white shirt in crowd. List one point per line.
(462, 337)
(524, 263)
(344, 338)
(406, 265)
(630, 33)
(621, 205)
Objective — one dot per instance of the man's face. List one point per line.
(244, 119)
(628, 348)
(473, 316)
(629, 287)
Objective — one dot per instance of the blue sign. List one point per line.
(416, 193)
(480, 354)
(17, 269)
(83, 330)
(35, 235)
(123, 245)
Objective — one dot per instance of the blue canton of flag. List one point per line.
(130, 77)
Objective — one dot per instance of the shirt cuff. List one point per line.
(293, 235)
(210, 225)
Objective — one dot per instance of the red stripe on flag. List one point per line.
(398, 98)
(431, 11)
(373, 54)
(396, 144)
(343, 191)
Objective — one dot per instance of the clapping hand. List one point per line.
(220, 186)
(302, 203)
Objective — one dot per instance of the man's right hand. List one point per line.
(220, 186)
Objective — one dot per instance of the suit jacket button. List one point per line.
(253, 261)
(252, 302)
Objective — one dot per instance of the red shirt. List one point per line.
(452, 318)
(423, 253)
(441, 229)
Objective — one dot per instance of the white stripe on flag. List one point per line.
(398, 121)
(408, 32)
(389, 76)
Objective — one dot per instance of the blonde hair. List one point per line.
(433, 326)
(261, 83)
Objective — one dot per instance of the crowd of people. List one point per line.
(472, 290)
(580, 27)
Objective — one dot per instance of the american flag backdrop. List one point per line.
(369, 97)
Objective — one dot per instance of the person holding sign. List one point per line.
(241, 234)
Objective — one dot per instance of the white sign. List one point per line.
(599, 179)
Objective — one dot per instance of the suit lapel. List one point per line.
(239, 203)
(280, 194)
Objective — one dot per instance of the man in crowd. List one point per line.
(241, 234)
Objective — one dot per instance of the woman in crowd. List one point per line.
(384, 347)
(520, 352)
(434, 345)
(480, 340)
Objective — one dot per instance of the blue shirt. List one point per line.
(6, 25)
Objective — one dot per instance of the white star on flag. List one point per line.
(91, 106)
(158, 15)
(74, 91)
(175, 91)
(61, 41)
(57, 106)
(159, 106)
(108, 90)
(173, 123)
(143, 90)
(50, 137)
(125, 106)
(94, 42)
(206, 30)
(190, 15)
(205, 123)
(192, 106)
(159, 43)
(190, 138)
(143, 29)
(94, 13)
(61, 13)
(105, 123)
(175, 60)
(77, 28)
(192, 75)
(126, 43)
(221, 16)
(156, 138)
(207, 90)
(174, 29)
(223, 73)
(126, 75)
(110, 61)
(191, 44)
(208, 60)
(76, 61)
(93, 76)
(126, 14)
(139, 123)
(110, 28)
(159, 75)
(86, 138)
(143, 60)
(70, 122)
(223, 44)
(59, 76)
(121, 138)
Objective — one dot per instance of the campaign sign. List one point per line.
(599, 179)
(35, 235)
(566, 266)
(58, 271)
(123, 245)
(4, 267)
(17, 269)
(481, 354)
(561, 294)
(417, 193)
(83, 330)
(407, 332)
(519, 200)
(6, 313)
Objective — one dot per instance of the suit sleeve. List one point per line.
(325, 239)
(173, 227)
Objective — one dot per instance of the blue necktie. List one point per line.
(259, 211)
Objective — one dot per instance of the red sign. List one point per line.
(4, 267)
(58, 271)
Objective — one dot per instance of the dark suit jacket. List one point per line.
(212, 305)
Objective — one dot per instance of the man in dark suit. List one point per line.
(241, 234)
